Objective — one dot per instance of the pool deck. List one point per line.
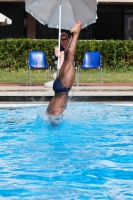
(82, 92)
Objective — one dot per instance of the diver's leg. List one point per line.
(67, 72)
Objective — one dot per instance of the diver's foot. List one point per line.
(76, 28)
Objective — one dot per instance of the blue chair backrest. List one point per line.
(37, 59)
(91, 60)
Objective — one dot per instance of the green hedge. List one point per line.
(116, 54)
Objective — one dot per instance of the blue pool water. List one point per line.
(89, 155)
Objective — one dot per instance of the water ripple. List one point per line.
(89, 155)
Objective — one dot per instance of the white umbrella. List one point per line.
(62, 14)
(4, 20)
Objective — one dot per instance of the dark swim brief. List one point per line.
(58, 87)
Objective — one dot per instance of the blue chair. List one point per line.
(92, 60)
(37, 61)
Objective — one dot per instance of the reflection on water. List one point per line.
(89, 155)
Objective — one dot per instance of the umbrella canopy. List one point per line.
(62, 14)
(4, 20)
(47, 12)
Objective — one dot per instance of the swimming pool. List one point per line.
(89, 155)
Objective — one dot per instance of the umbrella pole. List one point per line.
(58, 66)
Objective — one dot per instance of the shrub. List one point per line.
(116, 54)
